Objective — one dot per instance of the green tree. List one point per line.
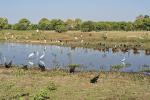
(58, 25)
(33, 27)
(102, 26)
(146, 16)
(88, 26)
(60, 28)
(45, 24)
(4, 23)
(23, 24)
(78, 23)
(70, 24)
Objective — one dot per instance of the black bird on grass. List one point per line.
(24, 94)
(25, 67)
(94, 80)
(8, 65)
(72, 69)
(42, 67)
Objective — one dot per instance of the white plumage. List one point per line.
(37, 53)
(42, 62)
(81, 41)
(37, 30)
(45, 48)
(31, 63)
(76, 38)
(31, 54)
(42, 56)
(124, 58)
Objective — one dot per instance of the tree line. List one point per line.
(142, 22)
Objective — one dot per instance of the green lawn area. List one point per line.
(18, 84)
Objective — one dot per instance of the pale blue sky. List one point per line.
(96, 10)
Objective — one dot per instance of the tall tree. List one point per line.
(23, 24)
(70, 24)
(45, 24)
(78, 23)
(3, 23)
(88, 26)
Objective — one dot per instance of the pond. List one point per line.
(59, 56)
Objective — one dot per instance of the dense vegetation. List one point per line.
(141, 23)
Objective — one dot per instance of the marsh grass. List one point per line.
(119, 67)
(91, 39)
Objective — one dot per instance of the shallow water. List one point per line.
(62, 56)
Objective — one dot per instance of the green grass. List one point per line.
(91, 39)
(18, 84)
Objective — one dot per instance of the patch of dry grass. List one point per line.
(60, 85)
(92, 38)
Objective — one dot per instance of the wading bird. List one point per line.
(8, 65)
(25, 67)
(42, 62)
(124, 58)
(42, 56)
(94, 80)
(31, 54)
(45, 48)
(42, 67)
(76, 38)
(72, 70)
(31, 63)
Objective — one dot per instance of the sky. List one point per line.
(95, 10)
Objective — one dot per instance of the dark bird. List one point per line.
(8, 65)
(72, 69)
(24, 94)
(25, 67)
(94, 80)
(42, 67)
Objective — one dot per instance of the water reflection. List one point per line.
(90, 59)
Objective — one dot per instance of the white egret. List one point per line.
(37, 53)
(124, 58)
(31, 54)
(31, 63)
(42, 62)
(37, 30)
(12, 36)
(123, 63)
(45, 48)
(4, 59)
(42, 56)
(76, 38)
(45, 41)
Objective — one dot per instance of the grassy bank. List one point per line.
(16, 83)
(97, 40)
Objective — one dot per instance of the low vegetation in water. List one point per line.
(17, 83)
(145, 68)
(120, 66)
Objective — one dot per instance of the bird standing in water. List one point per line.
(31, 55)
(42, 67)
(124, 58)
(25, 67)
(8, 65)
(42, 56)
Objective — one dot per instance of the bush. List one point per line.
(60, 28)
(87, 26)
